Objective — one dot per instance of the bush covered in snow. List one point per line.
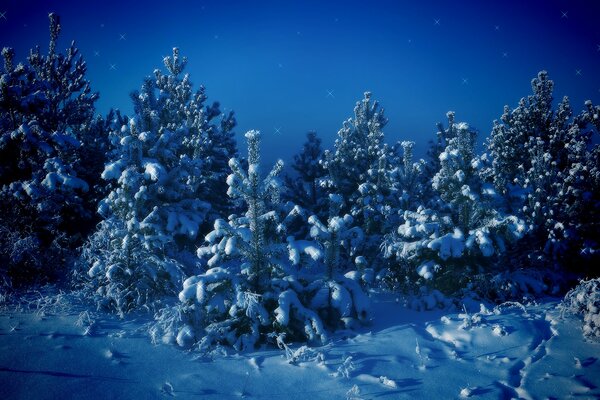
(584, 299)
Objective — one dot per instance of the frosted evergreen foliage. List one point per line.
(257, 285)
(125, 274)
(233, 301)
(158, 175)
(437, 146)
(461, 235)
(356, 168)
(263, 224)
(305, 189)
(167, 103)
(339, 297)
(50, 89)
(545, 161)
(584, 299)
(357, 148)
(509, 142)
(409, 185)
(46, 106)
(457, 181)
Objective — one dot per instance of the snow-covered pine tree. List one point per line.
(46, 109)
(256, 285)
(339, 297)
(233, 302)
(305, 188)
(508, 142)
(358, 170)
(437, 146)
(409, 188)
(358, 148)
(96, 149)
(210, 130)
(155, 210)
(545, 162)
(460, 236)
(457, 182)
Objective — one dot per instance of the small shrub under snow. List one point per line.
(585, 299)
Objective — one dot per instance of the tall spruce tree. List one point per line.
(546, 163)
(358, 170)
(168, 156)
(47, 209)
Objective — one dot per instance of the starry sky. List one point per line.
(286, 67)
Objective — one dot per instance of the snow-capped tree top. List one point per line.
(175, 65)
(54, 32)
(243, 184)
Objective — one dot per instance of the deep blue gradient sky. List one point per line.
(286, 67)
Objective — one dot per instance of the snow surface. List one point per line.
(56, 348)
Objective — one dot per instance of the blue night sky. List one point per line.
(286, 67)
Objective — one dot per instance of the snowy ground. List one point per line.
(58, 351)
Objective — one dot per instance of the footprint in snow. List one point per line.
(256, 362)
(167, 389)
(584, 363)
(115, 356)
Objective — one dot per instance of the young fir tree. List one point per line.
(305, 189)
(233, 301)
(155, 210)
(46, 109)
(409, 186)
(258, 285)
(545, 162)
(458, 238)
(358, 170)
(337, 297)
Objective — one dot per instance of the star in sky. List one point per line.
(3, 15)
(497, 27)
(504, 54)
(96, 53)
(330, 94)
(122, 36)
(113, 67)
(565, 14)
(465, 81)
(277, 131)
(436, 21)
(578, 72)
(598, 47)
